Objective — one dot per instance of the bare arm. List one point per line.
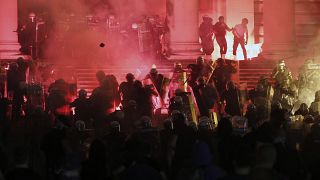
(228, 28)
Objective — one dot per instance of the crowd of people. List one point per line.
(219, 30)
(208, 134)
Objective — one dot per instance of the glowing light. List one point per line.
(7, 66)
(253, 50)
(134, 26)
(32, 16)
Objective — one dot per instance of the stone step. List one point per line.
(249, 71)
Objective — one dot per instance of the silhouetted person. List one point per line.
(143, 98)
(231, 98)
(27, 36)
(197, 70)
(181, 144)
(280, 74)
(156, 78)
(303, 110)
(206, 31)
(166, 134)
(131, 115)
(242, 163)
(221, 29)
(315, 105)
(12, 79)
(206, 96)
(53, 148)
(4, 107)
(202, 165)
(206, 133)
(252, 115)
(126, 88)
(227, 144)
(101, 99)
(176, 104)
(101, 77)
(261, 97)
(240, 32)
(310, 149)
(113, 91)
(57, 95)
(222, 75)
(115, 147)
(17, 85)
(143, 152)
(264, 166)
(95, 167)
(82, 107)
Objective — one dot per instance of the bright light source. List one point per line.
(134, 26)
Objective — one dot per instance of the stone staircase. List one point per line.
(86, 76)
(250, 71)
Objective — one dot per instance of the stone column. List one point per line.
(184, 24)
(221, 8)
(279, 25)
(9, 46)
(235, 11)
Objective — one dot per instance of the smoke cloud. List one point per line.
(79, 27)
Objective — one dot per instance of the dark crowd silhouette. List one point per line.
(98, 141)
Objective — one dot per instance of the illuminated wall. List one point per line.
(9, 46)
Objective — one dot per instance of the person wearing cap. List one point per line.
(240, 32)
(221, 29)
(206, 31)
